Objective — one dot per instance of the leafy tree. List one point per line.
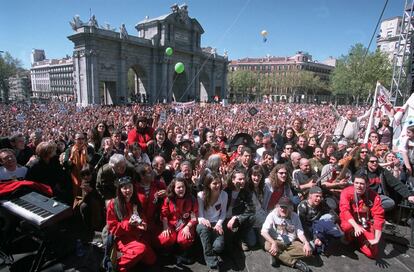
(9, 66)
(357, 72)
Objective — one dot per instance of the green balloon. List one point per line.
(179, 67)
(169, 51)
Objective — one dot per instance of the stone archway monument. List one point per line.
(103, 57)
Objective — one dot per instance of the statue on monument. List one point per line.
(93, 22)
(123, 32)
(76, 22)
(174, 8)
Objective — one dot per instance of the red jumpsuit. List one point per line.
(369, 206)
(141, 138)
(129, 240)
(179, 213)
(151, 211)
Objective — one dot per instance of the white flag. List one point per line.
(403, 119)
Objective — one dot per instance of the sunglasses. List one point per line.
(373, 161)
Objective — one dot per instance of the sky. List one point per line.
(323, 28)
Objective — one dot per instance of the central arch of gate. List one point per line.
(112, 67)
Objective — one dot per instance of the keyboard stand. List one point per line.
(39, 258)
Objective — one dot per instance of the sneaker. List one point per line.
(274, 261)
(183, 260)
(389, 226)
(244, 246)
(301, 266)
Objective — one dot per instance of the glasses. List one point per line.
(363, 152)
(373, 161)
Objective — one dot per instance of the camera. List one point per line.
(136, 218)
(364, 222)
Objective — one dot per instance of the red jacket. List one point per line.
(141, 138)
(122, 229)
(185, 209)
(150, 209)
(370, 200)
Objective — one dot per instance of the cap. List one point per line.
(315, 190)
(284, 202)
(123, 181)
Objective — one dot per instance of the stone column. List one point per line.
(93, 94)
(212, 80)
(121, 84)
(224, 81)
(77, 77)
(164, 83)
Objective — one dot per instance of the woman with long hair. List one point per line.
(99, 132)
(289, 136)
(212, 203)
(392, 164)
(277, 185)
(127, 223)
(161, 146)
(256, 183)
(179, 218)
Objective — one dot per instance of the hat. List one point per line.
(343, 142)
(284, 202)
(123, 181)
(315, 190)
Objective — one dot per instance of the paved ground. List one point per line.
(395, 257)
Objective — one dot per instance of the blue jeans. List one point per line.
(212, 242)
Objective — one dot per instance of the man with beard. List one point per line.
(361, 215)
(281, 230)
(142, 134)
(318, 220)
(161, 172)
(150, 194)
(303, 148)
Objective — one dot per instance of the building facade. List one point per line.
(53, 79)
(104, 57)
(387, 39)
(279, 68)
(19, 87)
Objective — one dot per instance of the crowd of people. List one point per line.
(287, 178)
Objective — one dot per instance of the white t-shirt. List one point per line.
(18, 174)
(285, 230)
(214, 213)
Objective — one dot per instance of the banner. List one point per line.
(402, 120)
(384, 106)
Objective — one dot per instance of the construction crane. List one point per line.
(403, 66)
